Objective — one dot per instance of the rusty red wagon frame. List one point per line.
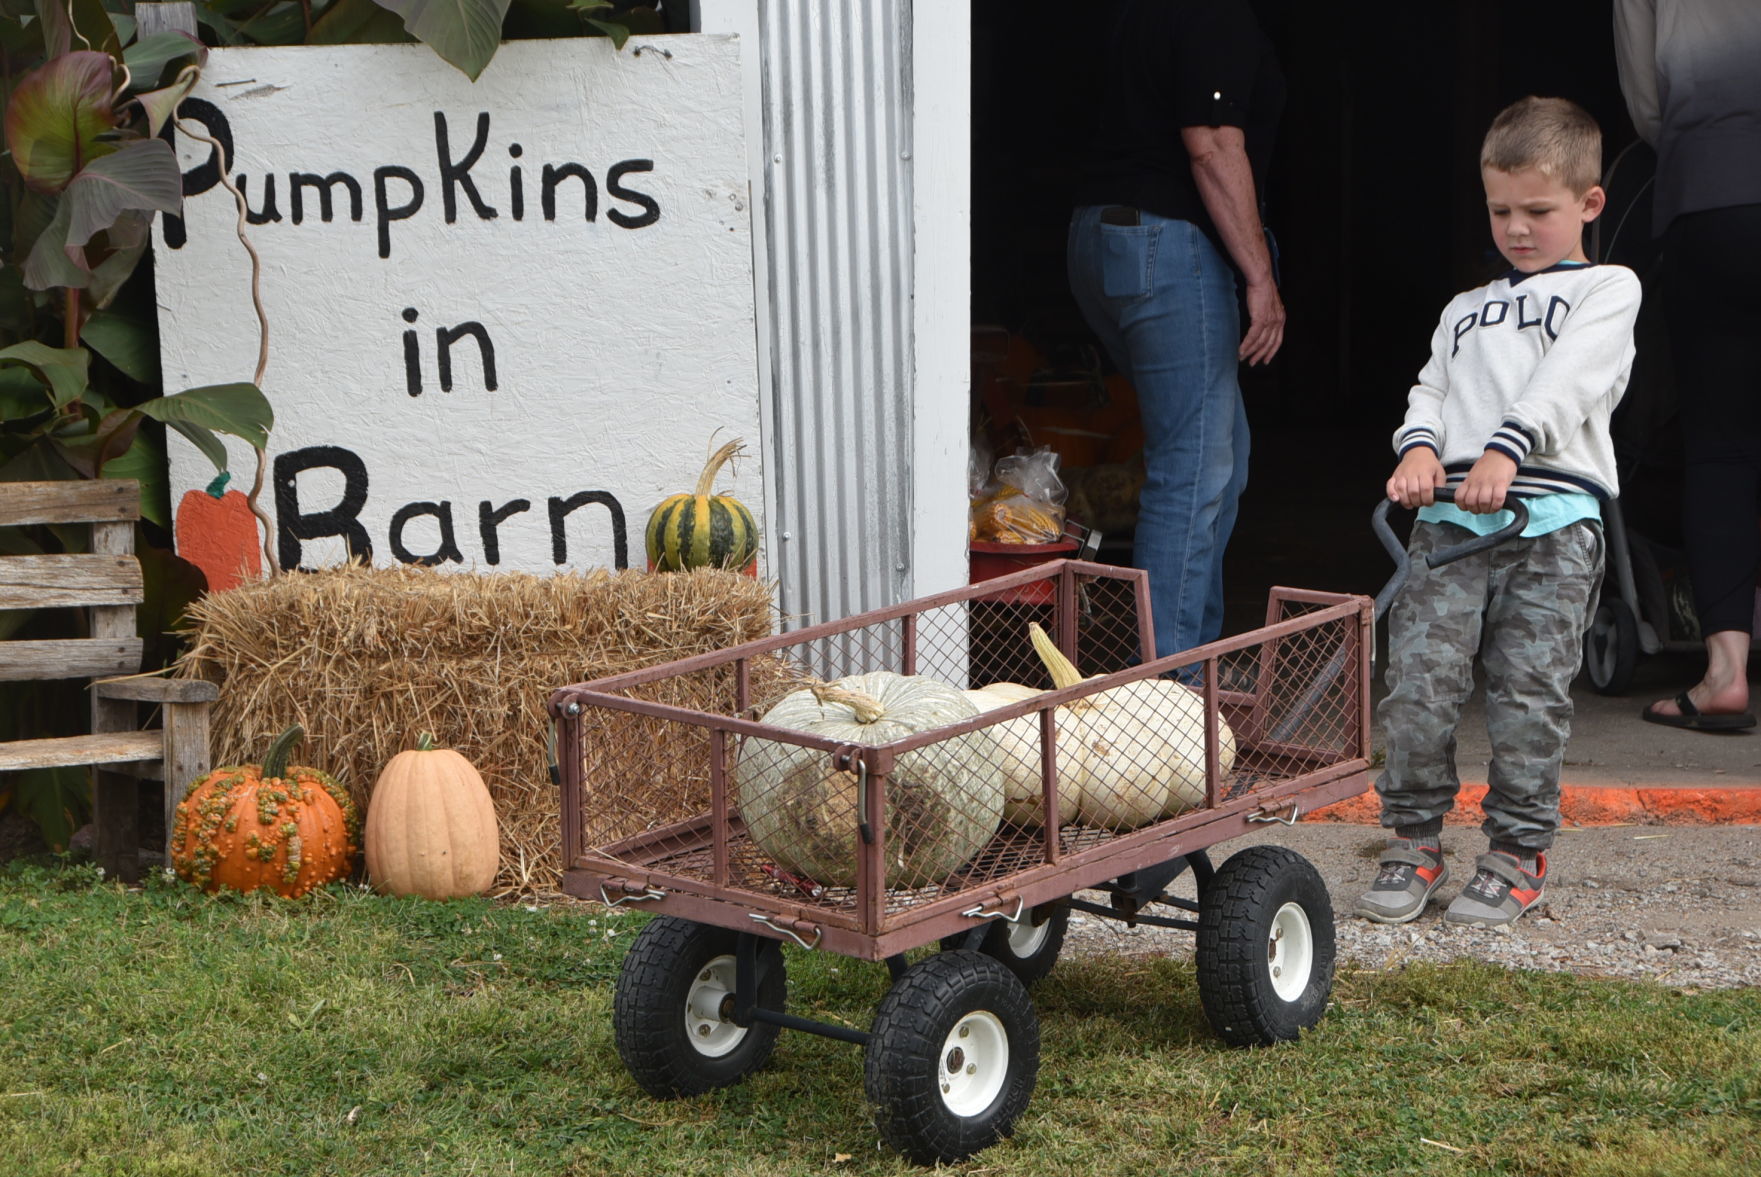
(977, 830)
(1294, 692)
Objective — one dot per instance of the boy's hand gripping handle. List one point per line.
(1403, 568)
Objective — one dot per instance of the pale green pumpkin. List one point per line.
(943, 801)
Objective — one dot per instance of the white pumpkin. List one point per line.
(1018, 753)
(943, 802)
(1133, 754)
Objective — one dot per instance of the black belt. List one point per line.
(1120, 214)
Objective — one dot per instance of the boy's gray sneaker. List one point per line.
(1404, 883)
(1501, 891)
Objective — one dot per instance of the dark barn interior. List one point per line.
(1375, 198)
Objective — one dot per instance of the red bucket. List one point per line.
(990, 560)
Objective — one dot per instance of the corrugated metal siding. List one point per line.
(838, 215)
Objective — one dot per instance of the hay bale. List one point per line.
(368, 658)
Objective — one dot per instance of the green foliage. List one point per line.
(87, 173)
(464, 32)
(353, 1035)
(80, 393)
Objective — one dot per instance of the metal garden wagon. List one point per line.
(655, 766)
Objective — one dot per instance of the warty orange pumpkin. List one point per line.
(269, 826)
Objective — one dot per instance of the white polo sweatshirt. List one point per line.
(1530, 365)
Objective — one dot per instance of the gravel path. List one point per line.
(1678, 905)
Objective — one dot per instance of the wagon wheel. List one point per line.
(952, 1057)
(1265, 947)
(672, 1012)
(1611, 648)
(1027, 947)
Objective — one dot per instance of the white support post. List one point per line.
(941, 216)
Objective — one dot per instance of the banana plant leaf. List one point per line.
(62, 370)
(239, 409)
(464, 32)
(143, 176)
(64, 22)
(128, 343)
(55, 117)
(149, 58)
(358, 22)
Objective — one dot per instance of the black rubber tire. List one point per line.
(903, 1067)
(1237, 915)
(649, 1006)
(1611, 648)
(1030, 966)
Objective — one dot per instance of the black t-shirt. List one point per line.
(1168, 64)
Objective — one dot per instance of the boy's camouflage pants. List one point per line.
(1523, 606)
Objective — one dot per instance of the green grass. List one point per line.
(162, 1033)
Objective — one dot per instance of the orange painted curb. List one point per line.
(1590, 805)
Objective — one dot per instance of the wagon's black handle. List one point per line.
(1479, 543)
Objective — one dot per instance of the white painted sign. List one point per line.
(506, 318)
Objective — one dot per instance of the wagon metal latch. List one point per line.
(787, 927)
(1268, 814)
(981, 912)
(632, 892)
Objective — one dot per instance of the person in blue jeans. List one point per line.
(1166, 221)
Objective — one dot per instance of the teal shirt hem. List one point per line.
(1547, 514)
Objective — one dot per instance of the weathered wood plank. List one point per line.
(103, 748)
(68, 658)
(158, 690)
(69, 502)
(39, 582)
(186, 757)
(166, 18)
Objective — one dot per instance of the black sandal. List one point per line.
(1695, 720)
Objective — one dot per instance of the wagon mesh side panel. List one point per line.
(640, 772)
(1306, 704)
(965, 812)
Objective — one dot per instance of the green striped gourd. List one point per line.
(703, 530)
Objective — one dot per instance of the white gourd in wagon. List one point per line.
(1133, 754)
(1018, 752)
(943, 802)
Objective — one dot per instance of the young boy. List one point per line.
(1515, 400)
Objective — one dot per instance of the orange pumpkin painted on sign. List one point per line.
(218, 534)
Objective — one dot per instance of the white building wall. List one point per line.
(858, 131)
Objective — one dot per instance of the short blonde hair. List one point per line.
(1554, 136)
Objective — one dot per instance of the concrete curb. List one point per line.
(1592, 805)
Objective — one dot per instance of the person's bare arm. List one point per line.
(1225, 183)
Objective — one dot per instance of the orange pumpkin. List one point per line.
(218, 534)
(431, 826)
(266, 826)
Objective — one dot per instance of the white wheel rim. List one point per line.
(1290, 952)
(707, 1006)
(1027, 937)
(974, 1063)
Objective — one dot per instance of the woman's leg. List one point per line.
(1714, 316)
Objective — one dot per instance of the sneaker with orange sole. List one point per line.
(1406, 877)
(1499, 893)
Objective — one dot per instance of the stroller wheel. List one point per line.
(1611, 648)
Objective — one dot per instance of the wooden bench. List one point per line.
(106, 583)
